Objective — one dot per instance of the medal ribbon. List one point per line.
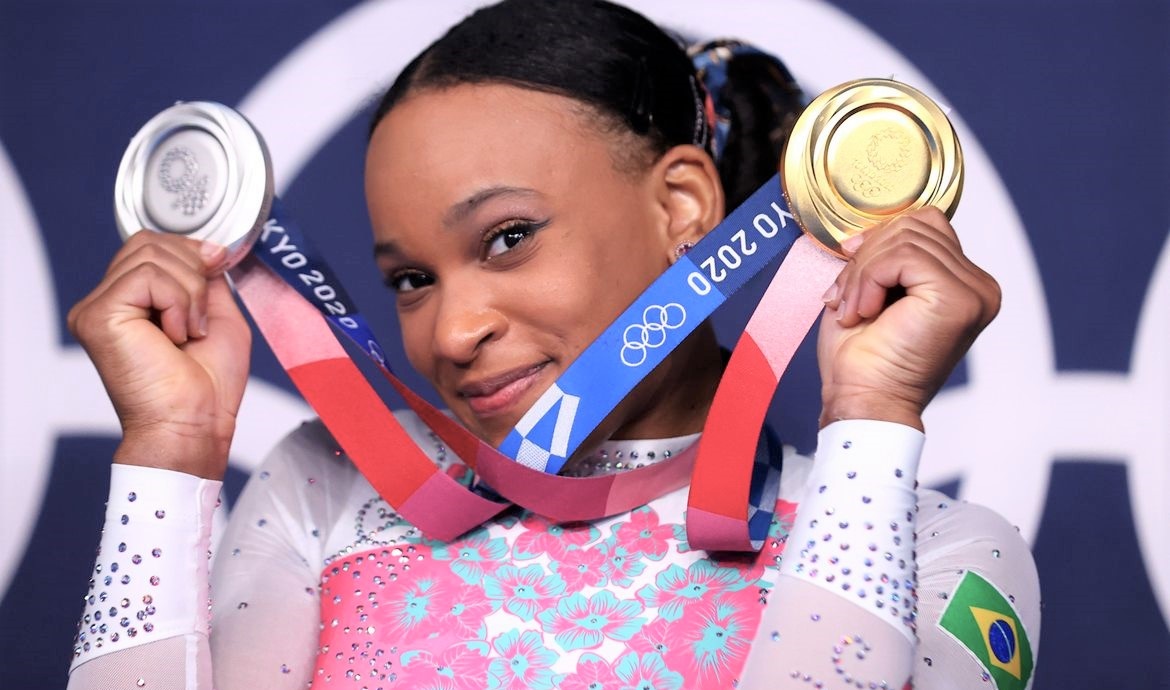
(735, 478)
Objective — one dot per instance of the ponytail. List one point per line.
(754, 101)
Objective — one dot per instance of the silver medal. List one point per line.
(197, 169)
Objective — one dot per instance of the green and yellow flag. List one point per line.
(982, 619)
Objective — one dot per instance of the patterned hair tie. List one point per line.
(711, 59)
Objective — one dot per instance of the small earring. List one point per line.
(682, 248)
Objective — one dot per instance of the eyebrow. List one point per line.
(384, 249)
(462, 209)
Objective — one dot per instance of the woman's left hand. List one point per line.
(899, 318)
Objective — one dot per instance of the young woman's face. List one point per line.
(510, 237)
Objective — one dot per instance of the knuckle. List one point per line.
(81, 320)
(932, 215)
(148, 269)
(73, 318)
(994, 298)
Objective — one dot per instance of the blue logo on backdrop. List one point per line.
(1049, 422)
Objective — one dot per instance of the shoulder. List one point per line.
(972, 562)
(956, 532)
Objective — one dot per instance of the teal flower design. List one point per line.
(580, 623)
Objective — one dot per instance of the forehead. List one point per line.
(441, 145)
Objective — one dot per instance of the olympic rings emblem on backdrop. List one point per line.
(651, 333)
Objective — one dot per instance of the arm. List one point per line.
(842, 608)
(900, 316)
(145, 618)
(915, 619)
(263, 581)
(172, 350)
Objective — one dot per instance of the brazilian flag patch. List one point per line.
(981, 618)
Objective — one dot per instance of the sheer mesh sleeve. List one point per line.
(857, 605)
(264, 592)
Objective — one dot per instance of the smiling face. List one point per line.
(514, 231)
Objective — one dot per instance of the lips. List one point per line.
(496, 394)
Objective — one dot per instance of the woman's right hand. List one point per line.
(172, 350)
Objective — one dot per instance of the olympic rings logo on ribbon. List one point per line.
(651, 333)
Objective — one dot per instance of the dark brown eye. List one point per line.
(507, 237)
(406, 281)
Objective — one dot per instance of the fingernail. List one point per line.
(830, 294)
(852, 244)
(203, 326)
(841, 310)
(212, 253)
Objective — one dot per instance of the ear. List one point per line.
(688, 194)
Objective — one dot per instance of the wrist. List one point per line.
(872, 406)
(197, 452)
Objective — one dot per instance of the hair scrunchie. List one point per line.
(711, 60)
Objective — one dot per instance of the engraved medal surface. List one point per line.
(197, 169)
(864, 152)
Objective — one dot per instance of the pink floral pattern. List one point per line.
(522, 603)
(544, 538)
(581, 568)
(593, 673)
(458, 667)
(580, 623)
(523, 592)
(642, 534)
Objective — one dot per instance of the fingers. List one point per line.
(915, 254)
(154, 276)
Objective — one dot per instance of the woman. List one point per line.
(527, 176)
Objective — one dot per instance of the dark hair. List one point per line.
(622, 65)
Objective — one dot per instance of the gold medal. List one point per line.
(864, 152)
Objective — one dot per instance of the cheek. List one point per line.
(584, 296)
(417, 342)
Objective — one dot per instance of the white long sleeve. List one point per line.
(870, 568)
(148, 597)
(307, 511)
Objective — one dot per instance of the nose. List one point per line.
(466, 321)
